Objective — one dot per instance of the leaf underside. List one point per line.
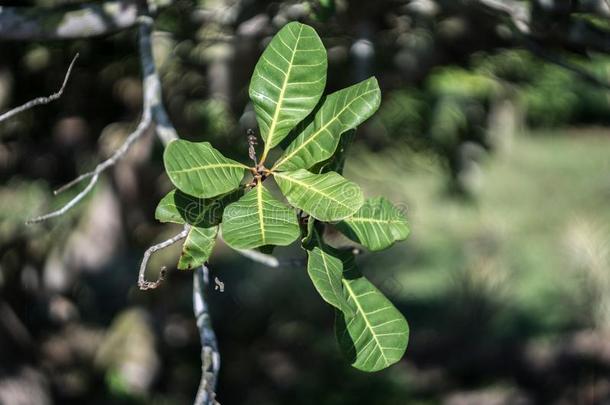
(197, 169)
(340, 112)
(258, 219)
(326, 197)
(288, 81)
(377, 225)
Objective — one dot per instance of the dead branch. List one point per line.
(41, 100)
(148, 285)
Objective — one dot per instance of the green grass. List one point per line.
(509, 245)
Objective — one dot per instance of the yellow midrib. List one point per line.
(318, 132)
(259, 203)
(280, 100)
(366, 321)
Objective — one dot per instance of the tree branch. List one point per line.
(267, 260)
(148, 285)
(210, 356)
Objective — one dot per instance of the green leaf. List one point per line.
(200, 170)
(376, 225)
(180, 208)
(376, 335)
(197, 247)
(288, 81)
(326, 197)
(340, 112)
(325, 269)
(258, 219)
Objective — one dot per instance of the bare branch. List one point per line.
(40, 100)
(142, 282)
(259, 257)
(68, 206)
(210, 356)
(153, 113)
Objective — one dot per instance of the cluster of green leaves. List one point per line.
(212, 198)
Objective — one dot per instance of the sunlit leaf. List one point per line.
(376, 335)
(197, 247)
(258, 219)
(288, 81)
(340, 112)
(327, 197)
(199, 170)
(376, 225)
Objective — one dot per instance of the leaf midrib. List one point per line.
(259, 203)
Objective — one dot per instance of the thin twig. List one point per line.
(142, 282)
(41, 100)
(69, 205)
(210, 356)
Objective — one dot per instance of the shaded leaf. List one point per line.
(199, 170)
(376, 225)
(258, 219)
(340, 112)
(325, 268)
(307, 232)
(336, 162)
(197, 247)
(376, 335)
(179, 208)
(326, 197)
(288, 81)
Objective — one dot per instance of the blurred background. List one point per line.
(499, 157)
